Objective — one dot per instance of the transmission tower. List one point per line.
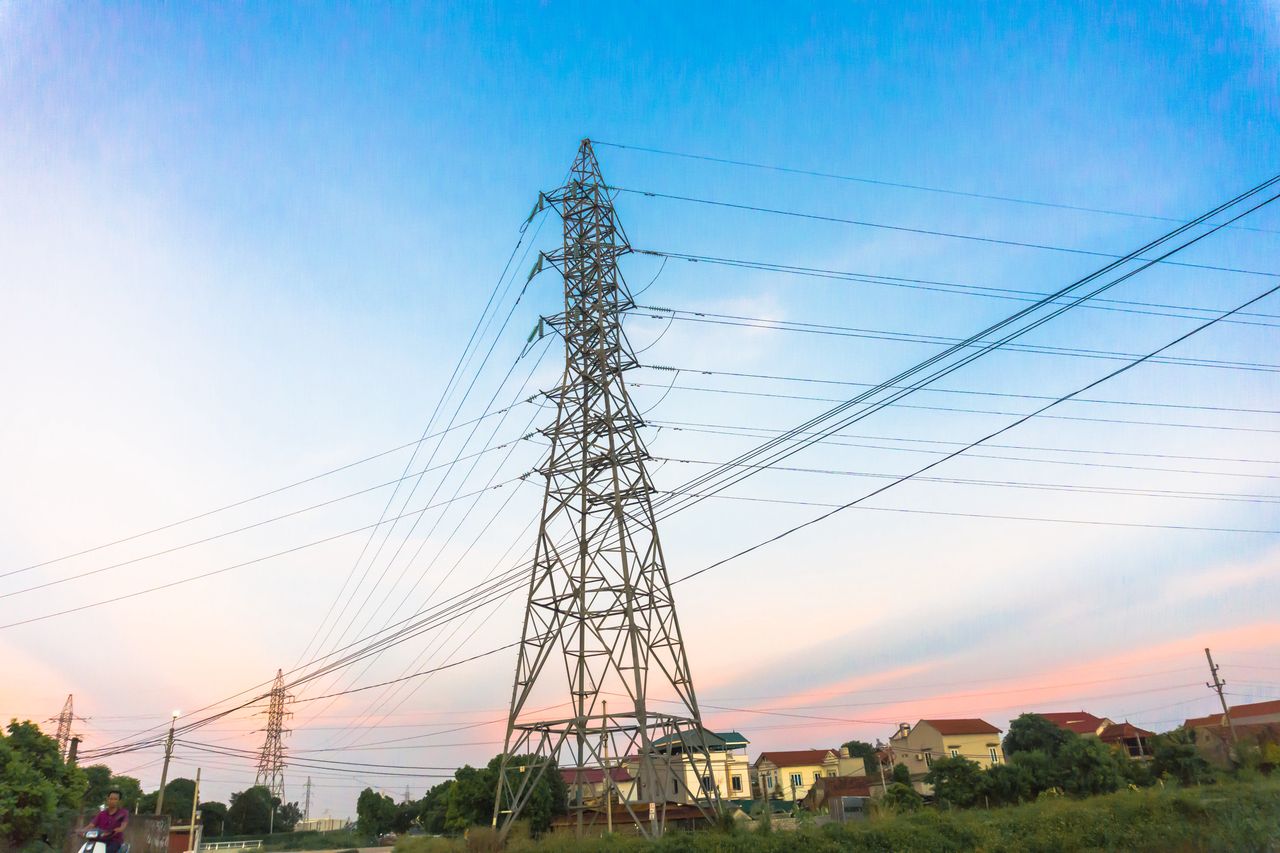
(599, 595)
(271, 759)
(65, 720)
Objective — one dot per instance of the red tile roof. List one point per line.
(963, 727)
(844, 786)
(1257, 709)
(594, 775)
(1238, 712)
(1080, 722)
(1123, 731)
(795, 757)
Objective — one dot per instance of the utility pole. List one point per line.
(1217, 684)
(72, 750)
(195, 805)
(306, 805)
(168, 753)
(599, 596)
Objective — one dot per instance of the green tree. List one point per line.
(178, 794)
(901, 774)
(250, 811)
(548, 799)
(213, 817)
(1088, 766)
(287, 816)
(1034, 733)
(374, 813)
(1176, 756)
(470, 798)
(39, 793)
(1041, 771)
(98, 777)
(1006, 784)
(901, 798)
(433, 806)
(956, 781)
(406, 815)
(865, 751)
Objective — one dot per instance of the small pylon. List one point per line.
(271, 759)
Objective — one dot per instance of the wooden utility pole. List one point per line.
(1217, 684)
(168, 753)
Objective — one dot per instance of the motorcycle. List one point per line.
(95, 841)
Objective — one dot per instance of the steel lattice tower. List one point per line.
(599, 595)
(65, 720)
(271, 759)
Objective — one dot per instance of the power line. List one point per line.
(963, 391)
(1126, 306)
(928, 232)
(908, 186)
(768, 324)
(1023, 419)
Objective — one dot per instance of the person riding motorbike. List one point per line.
(112, 822)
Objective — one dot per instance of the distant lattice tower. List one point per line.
(600, 620)
(65, 721)
(271, 759)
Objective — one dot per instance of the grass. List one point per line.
(1227, 818)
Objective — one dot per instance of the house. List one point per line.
(1257, 713)
(622, 784)
(918, 746)
(840, 763)
(1080, 722)
(1257, 723)
(1135, 742)
(690, 778)
(833, 788)
(789, 774)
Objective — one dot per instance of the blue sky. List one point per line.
(245, 244)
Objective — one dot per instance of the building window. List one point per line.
(796, 780)
(816, 776)
(707, 784)
(928, 758)
(955, 753)
(995, 758)
(830, 773)
(736, 783)
(769, 779)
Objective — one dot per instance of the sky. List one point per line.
(244, 245)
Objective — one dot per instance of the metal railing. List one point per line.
(231, 845)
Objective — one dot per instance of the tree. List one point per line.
(1176, 756)
(955, 781)
(130, 791)
(98, 777)
(406, 814)
(213, 817)
(901, 774)
(1006, 784)
(548, 799)
(901, 798)
(1089, 767)
(39, 792)
(865, 751)
(250, 811)
(433, 806)
(1040, 770)
(1031, 733)
(374, 813)
(178, 796)
(287, 816)
(470, 798)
